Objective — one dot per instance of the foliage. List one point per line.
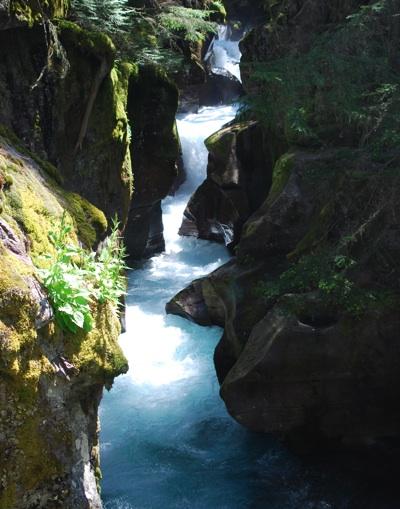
(104, 15)
(345, 83)
(105, 270)
(76, 278)
(141, 35)
(327, 273)
(192, 24)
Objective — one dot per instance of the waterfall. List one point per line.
(224, 54)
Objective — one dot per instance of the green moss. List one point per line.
(36, 207)
(97, 353)
(96, 44)
(8, 496)
(280, 176)
(17, 311)
(120, 76)
(317, 232)
(8, 181)
(40, 463)
(220, 143)
(106, 161)
(32, 11)
(9, 136)
(90, 222)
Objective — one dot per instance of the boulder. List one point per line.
(238, 180)
(220, 88)
(306, 380)
(302, 184)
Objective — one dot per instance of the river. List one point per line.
(167, 441)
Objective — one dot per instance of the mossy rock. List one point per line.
(90, 222)
(91, 43)
(29, 12)
(8, 135)
(96, 353)
(40, 434)
(280, 175)
(218, 11)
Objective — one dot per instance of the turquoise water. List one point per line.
(166, 440)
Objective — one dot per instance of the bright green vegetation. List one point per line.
(107, 15)
(191, 24)
(146, 35)
(75, 277)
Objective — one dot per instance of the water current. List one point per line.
(167, 441)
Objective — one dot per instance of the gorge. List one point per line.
(242, 158)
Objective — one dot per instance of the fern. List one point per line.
(110, 16)
(192, 24)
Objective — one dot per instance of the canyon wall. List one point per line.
(309, 301)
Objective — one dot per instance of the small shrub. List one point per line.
(327, 273)
(76, 278)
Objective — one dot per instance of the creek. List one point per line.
(167, 441)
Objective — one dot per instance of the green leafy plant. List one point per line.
(327, 273)
(150, 34)
(110, 16)
(76, 278)
(192, 24)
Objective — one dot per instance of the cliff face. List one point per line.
(155, 149)
(66, 112)
(64, 99)
(50, 381)
(69, 102)
(309, 303)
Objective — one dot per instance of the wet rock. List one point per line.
(45, 313)
(155, 152)
(307, 365)
(238, 180)
(211, 214)
(304, 381)
(284, 218)
(11, 241)
(144, 231)
(63, 367)
(220, 88)
(190, 304)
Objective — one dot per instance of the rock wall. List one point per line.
(51, 382)
(155, 149)
(239, 174)
(309, 303)
(67, 109)
(68, 101)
